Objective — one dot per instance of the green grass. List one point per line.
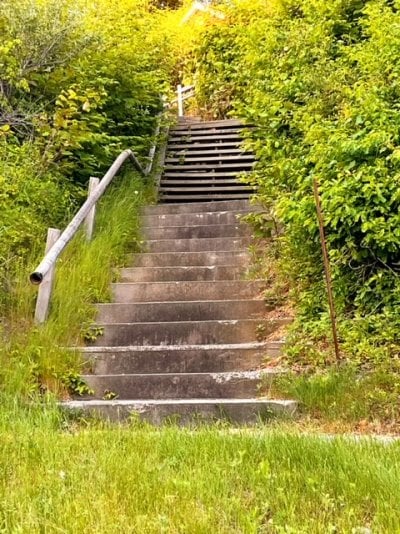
(33, 356)
(57, 476)
(346, 395)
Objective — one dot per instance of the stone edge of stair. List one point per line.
(183, 411)
(150, 348)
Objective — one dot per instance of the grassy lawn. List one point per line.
(58, 476)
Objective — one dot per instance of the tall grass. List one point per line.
(364, 400)
(37, 356)
(57, 477)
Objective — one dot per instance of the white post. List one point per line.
(46, 287)
(180, 101)
(89, 221)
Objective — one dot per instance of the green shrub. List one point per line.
(320, 83)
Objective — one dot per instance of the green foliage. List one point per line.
(74, 384)
(33, 358)
(320, 83)
(79, 83)
(31, 199)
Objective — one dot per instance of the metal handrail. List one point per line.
(57, 241)
(50, 258)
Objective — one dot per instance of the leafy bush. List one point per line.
(79, 82)
(320, 83)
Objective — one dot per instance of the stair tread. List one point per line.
(188, 139)
(198, 181)
(210, 197)
(211, 148)
(206, 175)
(196, 145)
(210, 130)
(200, 322)
(211, 124)
(214, 282)
(167, 348)
(209, 188)
(205, 166)
(187, 411)
(191, 401)
(223, 157)
(235, 374)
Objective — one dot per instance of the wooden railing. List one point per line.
(182, 94)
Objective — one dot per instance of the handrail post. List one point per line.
(153, 148)
(46, 287)
(180, 101)
(89, 221)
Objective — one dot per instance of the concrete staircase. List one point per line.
(180, 338)
(203, 160)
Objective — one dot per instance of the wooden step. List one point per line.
(209, 124)
(206, 175)
(207, 131)
(204, 197)
(210, 188)
(205, 166)
(221, 158)
(201, 138)
(205, 153)
(195, 146)
(218, 181)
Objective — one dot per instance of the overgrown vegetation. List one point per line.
(33, 357)
(320, 83)
(79, 82)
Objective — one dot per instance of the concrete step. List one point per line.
(180, 311)
(185, 332)
(237, 385)
(186, 412)
(184, 259)
(179, 358)
(198, 245)
(197, 207)
(175, 274)
(196, 219)
(198, 231)
(184, 291)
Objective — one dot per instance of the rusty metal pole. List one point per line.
(327, 268)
